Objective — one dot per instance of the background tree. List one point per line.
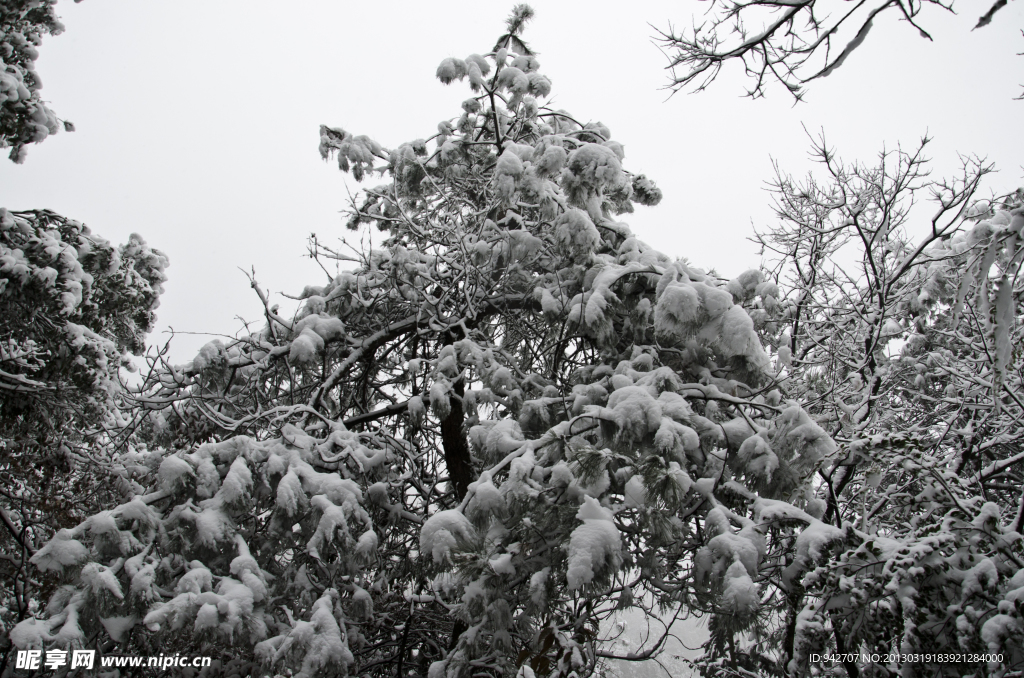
(72, 309)
(901, 348)
(24, 117)
(793, 43)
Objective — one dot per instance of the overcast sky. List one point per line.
(197, 122)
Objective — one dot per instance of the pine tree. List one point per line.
(73, 308)
(428, 466)
(24, 117)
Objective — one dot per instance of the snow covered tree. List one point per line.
(479, 439)
(792, 42)
(902, 348)
(465, 451)
(72, 309)
(24, 117)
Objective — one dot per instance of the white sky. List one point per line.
(198, 122)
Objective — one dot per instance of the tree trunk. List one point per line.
(456, 450)
(851, 667)
(460, 468)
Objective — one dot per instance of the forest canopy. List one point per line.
(509, 420)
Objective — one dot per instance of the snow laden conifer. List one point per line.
(24, 117)
(73, 308)
(424, 469)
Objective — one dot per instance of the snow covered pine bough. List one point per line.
(506, 422)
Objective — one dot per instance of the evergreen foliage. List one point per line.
(24, 116)
(73, 308)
